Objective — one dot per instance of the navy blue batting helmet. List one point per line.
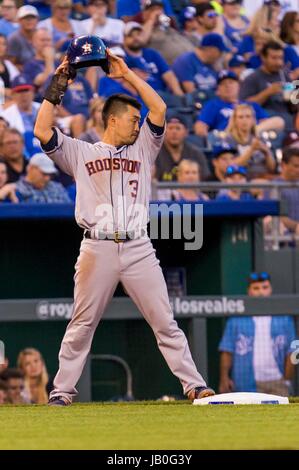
(87, 51)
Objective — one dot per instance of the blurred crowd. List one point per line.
(227, 70)
(28, 382)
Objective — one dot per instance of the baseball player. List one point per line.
(112, 178)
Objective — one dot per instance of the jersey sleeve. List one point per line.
(63, 150)
(149, 141)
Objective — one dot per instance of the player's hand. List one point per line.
(226, 385)
(64, 68)
(117, 66)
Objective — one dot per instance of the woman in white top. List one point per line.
(60, 25)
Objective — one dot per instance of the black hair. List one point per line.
(289, 153)
(202, 8)
(271, 45)
(116, 104)
(8, 374)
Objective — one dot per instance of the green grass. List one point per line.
(143, 425)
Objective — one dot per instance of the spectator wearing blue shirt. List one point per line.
(158, 73)
(217, 112)
(195, 70)
(8, 22)
(77, 96)
(207, 19)
(255, 351)
(234, 174)
(234, 24)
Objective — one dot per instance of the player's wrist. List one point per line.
(129, 75)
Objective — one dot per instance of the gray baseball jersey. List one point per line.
(120, 179)
(113, 185)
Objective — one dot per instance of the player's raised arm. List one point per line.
(53, 96)
(155, 104)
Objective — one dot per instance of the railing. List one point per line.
(274, 238)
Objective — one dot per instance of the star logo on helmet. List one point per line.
(87, 48)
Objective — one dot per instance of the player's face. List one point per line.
(33, 365)
(175, 134)
(126, 126)
(260, 289)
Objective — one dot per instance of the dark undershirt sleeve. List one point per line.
(158, 130)
(53, 142)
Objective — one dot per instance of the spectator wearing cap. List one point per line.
(266, 85)
(111, 30)
(160, 31)
(36, 186)
(8, 21)
(207, 20)
(233, 22)
(8, 71)
(289, 174)
(223, 156)
(3, 392)
(157, 71)
(127, 10)
(42, 65)
(20, 47)
(217, 111)
(196, 70)
(61, 27)
(253, 152)
(189, 24)
(176, 148)
(237, 65)
(12, 152)
(234, 174)
(255, 350)
(22, 114)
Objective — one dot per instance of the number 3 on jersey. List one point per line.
(134, 186)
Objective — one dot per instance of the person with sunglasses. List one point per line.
(207, 19)
(255, 350)
(234, 174)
